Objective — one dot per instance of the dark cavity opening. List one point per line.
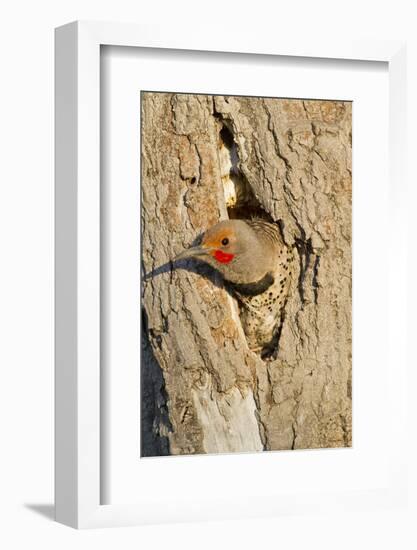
(247, 206)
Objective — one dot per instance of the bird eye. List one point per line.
(225, 241)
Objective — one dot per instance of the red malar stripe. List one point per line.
(223, 257)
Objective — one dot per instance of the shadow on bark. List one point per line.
(155, 423)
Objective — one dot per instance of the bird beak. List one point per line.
(192, 253)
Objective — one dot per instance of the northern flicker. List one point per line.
(257, 267)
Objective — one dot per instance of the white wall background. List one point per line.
(26, 268)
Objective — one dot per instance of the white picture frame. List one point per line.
(78, 449)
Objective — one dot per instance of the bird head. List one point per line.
(232, 248)
(218, 243)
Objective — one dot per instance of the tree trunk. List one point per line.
(207, 158)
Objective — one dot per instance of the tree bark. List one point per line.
(206, 158)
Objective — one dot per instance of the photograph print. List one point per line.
(246, 249)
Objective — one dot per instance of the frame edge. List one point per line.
(66, 345)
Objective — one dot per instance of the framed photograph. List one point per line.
(230, 275)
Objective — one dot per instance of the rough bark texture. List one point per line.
(203, 390)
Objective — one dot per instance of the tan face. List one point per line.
(220, 247)
(220, 242)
